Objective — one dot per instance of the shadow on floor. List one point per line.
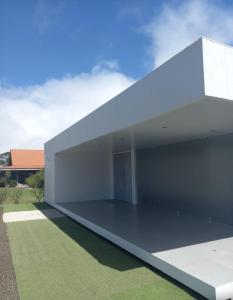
(105, 252)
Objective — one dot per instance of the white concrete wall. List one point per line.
(218, 69)
(203, 68)
(177, 82)
(49, 177)
(193, 176)
(81, 176)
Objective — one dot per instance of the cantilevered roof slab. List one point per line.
(189, 85)
(201, 119)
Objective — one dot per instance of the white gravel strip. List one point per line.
(31, 215)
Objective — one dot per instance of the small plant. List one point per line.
(36, 182)
(15, 195)
(38, 193)
(3, 195)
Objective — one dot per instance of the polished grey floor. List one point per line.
(192, 244)
(152, 229)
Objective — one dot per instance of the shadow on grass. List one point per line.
(41, 205)
(106, 252)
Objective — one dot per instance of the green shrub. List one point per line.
(3, 195)
(12, 183)
(39, 194)
(2, 182)
(7, 177)
(15, 194)
(36, 182)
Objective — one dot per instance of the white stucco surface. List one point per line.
(218, 69)
(187, 98)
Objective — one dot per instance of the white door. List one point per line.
(122, 176)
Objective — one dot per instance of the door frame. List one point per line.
(132, 152)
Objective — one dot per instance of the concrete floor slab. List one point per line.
(31, 215)
(191, 249)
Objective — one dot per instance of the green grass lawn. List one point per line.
(25, 206)
(26, 202)
(61, 259)
(27, 196)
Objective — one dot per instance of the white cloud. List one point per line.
(177, 26)
(34, 114)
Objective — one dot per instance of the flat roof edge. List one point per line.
(173, 84)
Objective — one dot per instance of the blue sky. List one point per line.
(44, 39)
(61, 59)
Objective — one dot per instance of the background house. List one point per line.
(21, 163)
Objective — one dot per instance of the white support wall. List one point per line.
(82, 176)
(218, 69)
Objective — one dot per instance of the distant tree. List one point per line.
(5, 158)
(2, 182)
(36, 182)
(7, 177)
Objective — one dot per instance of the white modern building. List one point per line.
(152, 169)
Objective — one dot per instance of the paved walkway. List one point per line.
(20, 216)
(8, 287)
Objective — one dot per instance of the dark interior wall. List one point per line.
(193, 176)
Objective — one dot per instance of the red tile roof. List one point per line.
(26, 159)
